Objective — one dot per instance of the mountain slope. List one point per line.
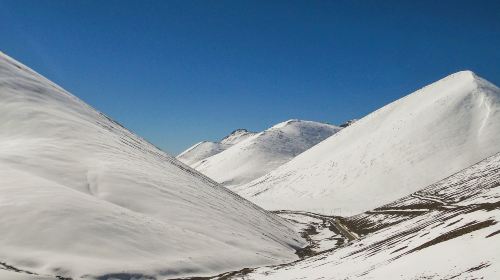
(391, 152)
(448, 230)
(81, 195)
(205, 149)
(265, 151)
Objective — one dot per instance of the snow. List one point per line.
(11, 275)
(200, 151)
(392, 152)
(83, 196)
(205, 149)
(237, 136)
(263, 152)
(317, 229)
(440, 243)
(444, 260)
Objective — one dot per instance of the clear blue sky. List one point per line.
(177, 72)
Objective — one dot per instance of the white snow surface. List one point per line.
(396, 150)
(205, 149)
(83, 196)
(12, 275)
(263, 152)
(456, 238)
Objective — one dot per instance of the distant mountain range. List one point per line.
(243, 156)
(206, 149)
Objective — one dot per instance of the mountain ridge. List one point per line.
(264, 151)
(83, 196)
(456, 118)
(206, 149)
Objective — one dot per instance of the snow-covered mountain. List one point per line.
(83, 196)
(408, 144)
(263, 152)
(205, 149)
(236, 137)
(448, 230)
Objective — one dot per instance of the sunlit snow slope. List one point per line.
(392, 152)
(81, 195)
(265, 151)
(448, 230)
(205, 149)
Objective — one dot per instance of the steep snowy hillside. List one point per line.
(449, 230)
(205, 149)
(83, 196)
(394, 151)
(263, 152)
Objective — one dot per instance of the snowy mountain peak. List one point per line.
(264, 151)
(84, 197)
(195, 146)
(409, 143)
(464, 73)
(285, 123)
(205, 149)
(461, 78)
(236, 136)
(236, 132)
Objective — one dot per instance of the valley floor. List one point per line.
(364, 246)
